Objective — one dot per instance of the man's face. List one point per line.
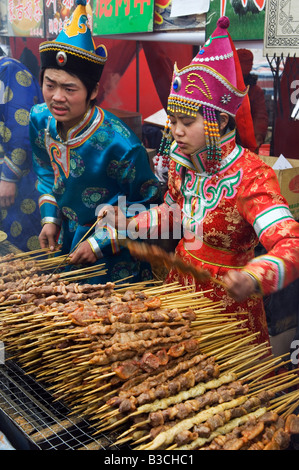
(65, 96)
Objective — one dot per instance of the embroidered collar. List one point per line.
(230, 151)
(86, 126)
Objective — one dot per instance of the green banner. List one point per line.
(247, 18)
(122, 16)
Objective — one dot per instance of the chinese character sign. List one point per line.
(122, 16)
(25, 18)
(57, 12)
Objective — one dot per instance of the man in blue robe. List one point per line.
(85, 157)
(20, 218)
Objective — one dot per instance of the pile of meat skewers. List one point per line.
(162, 366)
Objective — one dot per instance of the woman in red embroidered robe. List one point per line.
(224, 217)
(225, 197)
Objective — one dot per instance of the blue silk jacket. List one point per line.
(19, 91)
(101, 163)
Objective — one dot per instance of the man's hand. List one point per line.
(48, 236)
(83, 254)
(7, 193)
(240, 285)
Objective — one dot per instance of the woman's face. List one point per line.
(188, 132)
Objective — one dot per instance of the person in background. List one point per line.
(223, 195)
(30, 61)
(84, 156)
(256, 97)
(19, 91)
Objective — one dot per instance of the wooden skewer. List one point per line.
(134, 427)
(173, 447)
(287, 385)
(259, 371)
(113, 425)
(243, 363)
(168, 287)
(216, 331)
(99, 389)
(140, 440)
(292, 408)
(268, 382)
(79, 242)
(41, 254)
(110, 414)
(245, 353)
(124, 440)
(86, 276)
(285, 401)
(28, 254)
(214, 345)
(44, 264)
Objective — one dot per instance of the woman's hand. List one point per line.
(7, 193)
(83, 254)
(240, 285)
(48, 236)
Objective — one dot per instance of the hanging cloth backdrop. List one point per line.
(286, 131)
(160, 58)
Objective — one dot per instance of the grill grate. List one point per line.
(45, 423)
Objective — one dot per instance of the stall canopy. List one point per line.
(178, 30)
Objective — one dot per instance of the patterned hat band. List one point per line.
(182, 105)
(76, 51)
(72, 59)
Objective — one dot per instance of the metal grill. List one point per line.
(44, 424)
